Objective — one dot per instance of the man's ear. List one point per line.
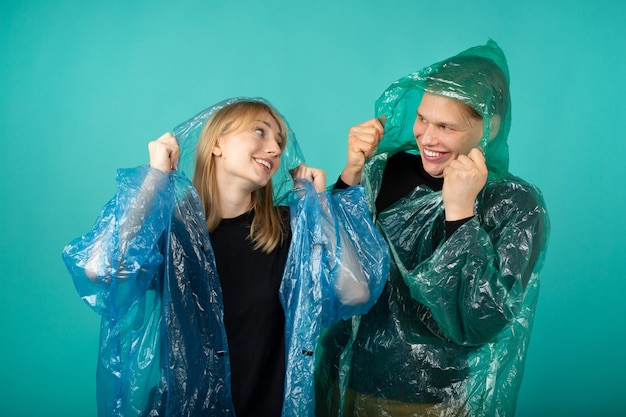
(494, 126)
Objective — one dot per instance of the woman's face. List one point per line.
(444, 129)
(249, 157)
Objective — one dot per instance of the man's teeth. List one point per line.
(432, 154)
(264, 162)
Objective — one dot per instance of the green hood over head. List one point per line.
(478, 77)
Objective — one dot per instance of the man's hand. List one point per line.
(462, 181)
(362, 143)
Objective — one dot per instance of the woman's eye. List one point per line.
(259, 131)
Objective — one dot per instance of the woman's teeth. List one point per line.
(265, 163)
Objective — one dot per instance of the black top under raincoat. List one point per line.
(148, 268)
(453, 324)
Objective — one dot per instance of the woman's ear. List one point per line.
(217, 151)
(494, 126)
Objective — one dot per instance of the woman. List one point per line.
(212, 296)
(449, 335)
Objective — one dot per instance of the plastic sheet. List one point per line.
(148, 268)
(163, 348)
(337, 268)
(449, 335)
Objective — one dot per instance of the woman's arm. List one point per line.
(114, 263)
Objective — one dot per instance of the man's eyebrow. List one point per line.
(441, 122)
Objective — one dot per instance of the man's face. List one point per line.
(444, 129)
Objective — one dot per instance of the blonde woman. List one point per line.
(212, 292)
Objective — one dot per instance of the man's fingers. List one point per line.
(477, 155)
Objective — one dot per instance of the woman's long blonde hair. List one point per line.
(267, 229)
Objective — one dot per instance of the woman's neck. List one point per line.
(234, 203)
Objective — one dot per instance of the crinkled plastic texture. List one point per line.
(337, 268)
(148, 268)
(478, 77)
(449, 334)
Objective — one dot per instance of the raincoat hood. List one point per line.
(478, 77)
(188, 134)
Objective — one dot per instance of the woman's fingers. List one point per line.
(164, 153)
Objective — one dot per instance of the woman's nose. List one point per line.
(273, 149)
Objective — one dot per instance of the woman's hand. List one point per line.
(463, 179)
(315, 175)
(164, 153)
(362, 143)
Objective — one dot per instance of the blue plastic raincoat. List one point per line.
(449, 335)
(148, 268)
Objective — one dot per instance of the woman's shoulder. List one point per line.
(283, 211)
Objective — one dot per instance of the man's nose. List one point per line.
(427, 135)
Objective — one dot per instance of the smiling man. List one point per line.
(450, 333)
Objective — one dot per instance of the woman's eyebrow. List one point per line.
(266, 123)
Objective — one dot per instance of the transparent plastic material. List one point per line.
(338, 264)
(148, 268)
(449, 335)
(163, 346)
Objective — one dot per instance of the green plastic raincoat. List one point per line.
(449, 335)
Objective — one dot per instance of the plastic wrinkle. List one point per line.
(320, 255)
(158, 352)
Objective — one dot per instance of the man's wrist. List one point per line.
(350, 178)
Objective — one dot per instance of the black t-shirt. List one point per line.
(253, 316)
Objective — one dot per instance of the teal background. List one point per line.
(85, 85)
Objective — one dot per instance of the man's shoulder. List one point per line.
(514, 190)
